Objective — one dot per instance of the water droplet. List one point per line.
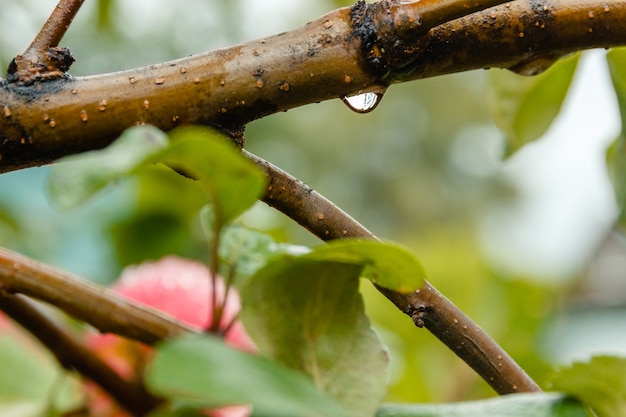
(365, 102)
(83, 115)
(159, 81)
(102, 105)
(7, 111)
(146, 104)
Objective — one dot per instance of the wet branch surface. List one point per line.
(427, 307)
(345, 52)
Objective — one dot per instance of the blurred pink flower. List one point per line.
(181, 288)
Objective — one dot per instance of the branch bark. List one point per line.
(337, 55)
(74, 356)
(427, 307)
(100, 307)
(43, 60)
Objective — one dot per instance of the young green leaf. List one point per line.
(524, 107)
(201, 372)
(518, 405)
(386, 264)
(616, 59)
(599, 383)
(31, 382)
(616, 154)
(309, 315)
(232, 182)
(247, 251)
(75, 179)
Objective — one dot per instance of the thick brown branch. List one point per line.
(427, 307)
(98, 306)
(73, 355)
(330, 57)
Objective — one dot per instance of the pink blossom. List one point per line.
(183, 289)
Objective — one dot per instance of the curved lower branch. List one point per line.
(100, 307)
(427, 307)
(345, 52)
(72, 355)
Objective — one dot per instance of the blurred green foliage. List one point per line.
(421, 169)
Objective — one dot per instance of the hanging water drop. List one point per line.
(363, 103)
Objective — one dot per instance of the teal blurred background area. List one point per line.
(520, 245)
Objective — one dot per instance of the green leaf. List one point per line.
(599, 383)
(524, 107)
(517, 405)
(165, 209)
(616, 154)
(309, 315)
(31, 382)
(75, 179)
(616, 59)
(616, 165)
(386, 264)
(248, 250)
(201, 371)
(232, 182)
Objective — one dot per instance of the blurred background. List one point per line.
(525, 245)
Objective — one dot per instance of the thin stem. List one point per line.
(43, 59)
(55, 27)
(100, 307)
(215, 310)
(227, 287)
(72, 355)
(427, 307)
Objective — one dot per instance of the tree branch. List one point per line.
(72, 355)
(100, 307)
(427, 307)
(345, 52)
(43, 60)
